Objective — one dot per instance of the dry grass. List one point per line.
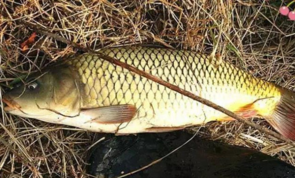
(250, 34)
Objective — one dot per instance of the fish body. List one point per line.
(94, 94)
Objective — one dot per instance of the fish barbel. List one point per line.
(94, 94)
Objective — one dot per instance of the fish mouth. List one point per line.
(9, 104)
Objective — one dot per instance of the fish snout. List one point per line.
(9, 104)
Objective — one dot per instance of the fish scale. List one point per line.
(106, 84)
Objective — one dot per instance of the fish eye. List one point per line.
(32, 86)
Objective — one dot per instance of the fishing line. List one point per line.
(56, 112)
(26, 83)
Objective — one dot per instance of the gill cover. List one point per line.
(66, 96)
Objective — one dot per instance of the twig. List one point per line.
(44, 31)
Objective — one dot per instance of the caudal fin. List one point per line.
(283, 117)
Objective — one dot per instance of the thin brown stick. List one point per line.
(44, 31)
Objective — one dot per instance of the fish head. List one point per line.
(52, 95)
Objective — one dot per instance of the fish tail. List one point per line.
(283, 116)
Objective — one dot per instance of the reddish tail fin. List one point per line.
(283, 117)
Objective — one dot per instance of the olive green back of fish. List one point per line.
(106, 84)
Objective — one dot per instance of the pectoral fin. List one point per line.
(111, 114)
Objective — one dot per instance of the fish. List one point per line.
(192, 157)
(90, 93)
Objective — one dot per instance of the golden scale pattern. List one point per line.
(107, 84)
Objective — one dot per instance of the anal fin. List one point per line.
(246, 111)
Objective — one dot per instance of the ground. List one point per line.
(252, 35)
